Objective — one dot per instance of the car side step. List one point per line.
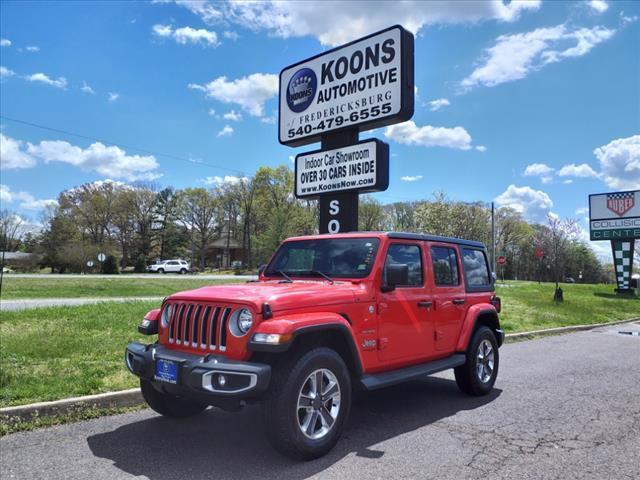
(385, 379)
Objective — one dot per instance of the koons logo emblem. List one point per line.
(301, 90)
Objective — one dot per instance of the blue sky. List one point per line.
(534, 104)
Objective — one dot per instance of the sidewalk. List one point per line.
(11, 305)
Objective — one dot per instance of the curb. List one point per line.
(133, 397)
(572, 328)
(123, 398)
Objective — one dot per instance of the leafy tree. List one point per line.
(110, 265)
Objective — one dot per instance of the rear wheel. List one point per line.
(308, 404)
(161, 270)
(479, 373)
(183, 271)
(169, 405)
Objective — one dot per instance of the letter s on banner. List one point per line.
(334, 207)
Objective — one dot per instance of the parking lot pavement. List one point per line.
(126, 276)
(565, 407)
(10, 305)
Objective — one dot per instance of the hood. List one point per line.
(279, 296)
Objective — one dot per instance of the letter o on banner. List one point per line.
(334, 226)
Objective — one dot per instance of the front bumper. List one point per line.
(500, 336)
(199, 376)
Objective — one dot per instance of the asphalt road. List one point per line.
(25, 304)
(565, 407)
(125, 276)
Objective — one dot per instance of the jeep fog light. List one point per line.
(271, 338)
(222, 380)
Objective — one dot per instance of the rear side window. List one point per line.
(476, 270)
(410, 256)
(445, 266)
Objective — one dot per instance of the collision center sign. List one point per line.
(362, 85)
(614, 216)
(363, 167)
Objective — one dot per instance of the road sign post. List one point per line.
(331, 97)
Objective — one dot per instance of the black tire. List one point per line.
(169, 405)
(183, 271)
(280, 406)
(467, 375)
(161, 270)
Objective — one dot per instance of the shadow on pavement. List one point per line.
(218, 444)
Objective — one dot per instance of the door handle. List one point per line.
(458, 301)
(425, 304)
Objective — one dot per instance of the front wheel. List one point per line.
(308, 404)
(479, 373)
(161, 270)
(183, 271)
(169, 405)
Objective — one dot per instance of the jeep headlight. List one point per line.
(242, 322)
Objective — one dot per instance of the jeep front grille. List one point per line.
(200, 326)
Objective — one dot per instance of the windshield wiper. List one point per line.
(318, 272)
(288, 278)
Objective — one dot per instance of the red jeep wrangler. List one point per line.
(329, 314)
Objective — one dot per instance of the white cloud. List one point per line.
(411, 178)
(227, 179)
(568, 181)
(599, 6)
(5, 42)
(113, 96)
(27, 201)
(292, 159)
(334, 24)
(32, 48)
(538, 169)
(620, 162)
(409, 133)
(435, 105)
(59, 82)
(533, 204)
(226, 131)
(249, 92)
(581, 171)
(582, 211)
(481, 148)
(233, 116)
(109, 161)
(230, 35)
(212, 112)
(185, 35)
(514, 56)
(13, 155)
(5, 72)
(86, 88)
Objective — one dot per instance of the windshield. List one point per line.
(334, 257)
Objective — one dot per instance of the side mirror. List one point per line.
(262, 268)
(396, 274)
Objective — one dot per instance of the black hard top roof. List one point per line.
(434, 238)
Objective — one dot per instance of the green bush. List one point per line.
(110, 266)
(141, 264)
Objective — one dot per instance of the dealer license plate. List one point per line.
(166, 371)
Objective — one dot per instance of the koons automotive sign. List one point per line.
(363, 167)
(364, 84)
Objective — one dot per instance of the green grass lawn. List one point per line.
(52, 353)
(58, 352)
(529, 306)
(66, 287)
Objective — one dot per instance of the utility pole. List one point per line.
(493, 237)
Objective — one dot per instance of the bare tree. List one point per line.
(561, 234)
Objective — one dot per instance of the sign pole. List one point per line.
(339, 211)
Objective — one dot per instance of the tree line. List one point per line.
(141, 222)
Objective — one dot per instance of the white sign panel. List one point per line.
(362, 167)
(365, 84)
(614, 215)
